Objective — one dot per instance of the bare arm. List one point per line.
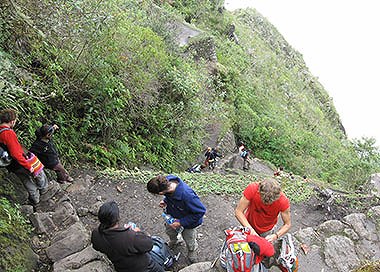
(239, 213)
(285, 216)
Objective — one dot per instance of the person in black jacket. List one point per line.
(211, 155)
(45, 150)
(125, 246)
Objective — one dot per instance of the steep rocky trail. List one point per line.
(330, 240)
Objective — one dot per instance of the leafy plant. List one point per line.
(14, 237)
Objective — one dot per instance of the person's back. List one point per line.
(127, 249)
(126, 246)
(46, 151)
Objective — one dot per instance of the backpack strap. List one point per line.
(4, 129)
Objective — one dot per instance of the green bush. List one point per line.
(111, 76)
(14, 237)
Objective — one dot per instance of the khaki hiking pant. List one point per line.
(188, 235)
(268, 262)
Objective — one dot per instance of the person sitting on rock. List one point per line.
(46, 151)
(29, 172)
(127, 247)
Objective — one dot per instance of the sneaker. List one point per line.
(70, 179)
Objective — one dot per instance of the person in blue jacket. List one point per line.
(182, 203)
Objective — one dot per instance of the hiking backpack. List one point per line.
(287, 260)
(161, 253)
(5, 157)
(236, 253)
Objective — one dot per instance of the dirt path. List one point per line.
(137, 205)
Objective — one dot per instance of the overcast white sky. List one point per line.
(340, 43)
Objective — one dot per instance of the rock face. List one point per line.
(334, 245)
(184, 32)
(341, 245)
(63, 238)
(374, 184)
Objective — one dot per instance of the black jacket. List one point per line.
(45, 152)
(127, 249)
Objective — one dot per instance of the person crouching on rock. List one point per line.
(46, 152)
(183, 204)
(127, 247)
(259, 207)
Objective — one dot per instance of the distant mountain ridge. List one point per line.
(146, 83)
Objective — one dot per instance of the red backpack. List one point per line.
(241, 251)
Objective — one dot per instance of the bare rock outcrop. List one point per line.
(63, 239)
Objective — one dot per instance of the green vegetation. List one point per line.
(372, 267)
(112, 76)
(14, 234)
(213, 183)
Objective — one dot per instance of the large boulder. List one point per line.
(79, 259)
(97, 266)
(68, 242)
(373, 185)
(340, 254)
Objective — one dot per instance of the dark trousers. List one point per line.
(62, 174)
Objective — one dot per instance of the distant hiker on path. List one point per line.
(196, 168)
(25, 165)
(182, 203)
(260, 206)
(244, 153)
(125, 246)
(46, 151)
(279, 172)
(211, 157)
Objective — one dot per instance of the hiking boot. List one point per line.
(193, 256)
(34, 202)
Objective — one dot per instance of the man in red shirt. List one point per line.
(20, 165)
(260, 206)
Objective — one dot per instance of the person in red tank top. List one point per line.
(260, 206)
